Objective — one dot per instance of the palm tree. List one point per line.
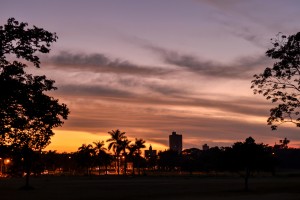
(106, 159)
(116, 137)
(100, 150)
(124, 144)
(131, 155)
(139, 144)
(85, 156)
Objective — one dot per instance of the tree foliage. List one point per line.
(281, 83)
(85, 157)
(27, 113)
(169, 160)
(115, 143)
(135, 153)
(116, 138)
(249, 157)
(23, 42)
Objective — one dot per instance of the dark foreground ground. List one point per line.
(144, 188)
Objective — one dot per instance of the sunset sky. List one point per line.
(150, 67)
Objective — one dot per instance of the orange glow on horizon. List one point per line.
(70, 141)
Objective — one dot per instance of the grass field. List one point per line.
(146, 188)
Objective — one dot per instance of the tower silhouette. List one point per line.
(175, 142)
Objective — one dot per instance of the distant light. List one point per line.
(7, 161)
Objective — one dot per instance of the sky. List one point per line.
(152, 67)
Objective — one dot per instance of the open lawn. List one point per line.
(144, 188)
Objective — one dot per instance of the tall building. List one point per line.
(150, 153)
(175, 142)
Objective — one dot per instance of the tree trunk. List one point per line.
(138, 165)
(105, 169)
(27, 167)
(133, 169)
(125, 165)
(118, 166)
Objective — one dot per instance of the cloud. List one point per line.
(253, 33)
(155, 126)
(255, 21)
(101, 63)
(158, 106)
(168, 98)
(221, 3)
(107, 93)
(241, 68)
(97, 74)
(93, 91)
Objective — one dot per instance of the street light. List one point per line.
(7, 161)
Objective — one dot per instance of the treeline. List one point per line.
(125, 157)
(83, 161)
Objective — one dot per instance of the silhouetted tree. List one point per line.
(281, 83)
(191, 160)
(106, 160)
(250, 157)
(287, 158)
(116, 137)
(25, 160)
(67, 162)
(168, 160)
(27, 114)
(99, 150)
(137, 146)
(131, 157)
(4, 151)
(50, 159)
(124, 144)
(85, 157)
(284, 143)
(211, 159)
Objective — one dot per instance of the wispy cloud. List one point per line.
(156, 124)
(93, 91)
(240, 69)
(101, 63)
(157, 100)
(254, 21)
(97, 74)
(168, 98)
(221, 3)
